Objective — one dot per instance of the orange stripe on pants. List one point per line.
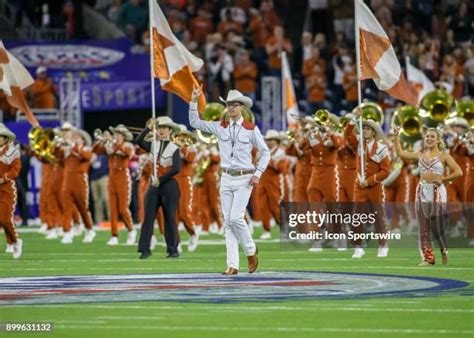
(268, 199)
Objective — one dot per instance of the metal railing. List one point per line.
(50, 34)
(41, 115)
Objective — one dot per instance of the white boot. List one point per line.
(132, 237)
(52, 234)
(9, 248)
(193, 242)
(17, 249)
(78, 229)
(180, 248)
(43, 229)
(358, 253)
(113, 241)
(383, 251)
(471, 242)
(213, 229)
(316, 247)
(266, 235)
(67, 237)
(89, 236)
(153, 242)
(342, 244)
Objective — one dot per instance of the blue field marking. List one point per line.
(215, 288)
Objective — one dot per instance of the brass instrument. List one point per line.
(435, 107)
(212, 112)
(201, 168)
(183, 138)
(42, 142)
(371, 111)
(292, 135)
(322, 117)
(465, 109)
(99, 136)
(408, 119)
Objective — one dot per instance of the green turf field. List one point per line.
(441, 314)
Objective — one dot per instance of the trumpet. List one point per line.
(292, 135)
(100, 137)
(184, 139)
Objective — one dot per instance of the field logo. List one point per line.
(214, 288)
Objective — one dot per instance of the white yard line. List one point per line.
(269, 329)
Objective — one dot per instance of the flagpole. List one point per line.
(282, 84)
(153, 113)
(359, 93)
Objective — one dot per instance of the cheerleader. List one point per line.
(431, 196)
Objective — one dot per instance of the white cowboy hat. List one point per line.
(4, 131)
(457, 121)
(272, 134)
(165, 121)
(236, 96)
(66, 126)
(41, 69)
(85, 136)
(375, 127)
(120, 128)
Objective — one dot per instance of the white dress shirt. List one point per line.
(235, 142)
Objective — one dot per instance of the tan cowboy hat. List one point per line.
(41, 69)
(4, 131)
(236, 96)
(165, 121)
(85, 136)
(272, 134)
(457, 121)
(120, 128)
(184, 130)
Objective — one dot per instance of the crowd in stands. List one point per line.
(241, 40)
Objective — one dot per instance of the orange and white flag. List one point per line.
(289, 104)
(378, 60)
(173, 64)
(14, 77)
(419, 80)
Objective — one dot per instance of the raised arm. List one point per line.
(140, 140)
(405, 154)
(194, 119)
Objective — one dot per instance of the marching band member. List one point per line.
(324, 143)
(163, 191)
(236, 138)
(466, 149)
(396, 189)
(455, 128)
(301, 149)
(56, 206)
(270, 188)
(431, 196)
(377, 167)
(212, 213)
(185, 184)
(119, 151)
(77, 159)
(10, 166)
(45, 214)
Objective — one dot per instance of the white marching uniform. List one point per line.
(236, 142)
